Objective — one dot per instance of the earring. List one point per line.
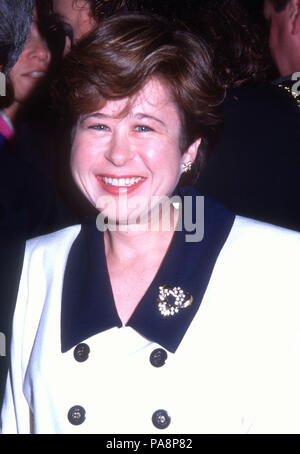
(187, 166)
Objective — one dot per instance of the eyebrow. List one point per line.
(138, 116)
(142, 116)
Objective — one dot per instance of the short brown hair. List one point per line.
(118, 58)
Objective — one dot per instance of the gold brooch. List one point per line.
(171, 300)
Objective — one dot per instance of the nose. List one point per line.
(120, 150)
(41, 51)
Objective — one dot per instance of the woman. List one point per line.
(24, 77)
(125, 324)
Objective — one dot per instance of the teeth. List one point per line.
(37, 74)
(121, 182)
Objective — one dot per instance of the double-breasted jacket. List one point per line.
(228, 361)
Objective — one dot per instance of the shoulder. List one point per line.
(44, 265)
(256, 275)
(54, 238)
(251, 230)
(255, 249)
(261, 238)
(54, 244)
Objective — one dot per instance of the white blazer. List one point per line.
(236, 370)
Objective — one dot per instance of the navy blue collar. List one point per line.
(87, 302)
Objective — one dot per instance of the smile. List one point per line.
(120, 185)
(121, 182)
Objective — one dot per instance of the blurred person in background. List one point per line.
(254, 167)
(75, 16)
(30, 68)
(26, 108)
(283, 17)
(28, 204)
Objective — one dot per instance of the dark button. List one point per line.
(76, 415)
(158, 357)
(161, 419)
(81, 352)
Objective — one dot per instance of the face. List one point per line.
(75, 15)
(31, 66)
(137, 153)
(280, 37)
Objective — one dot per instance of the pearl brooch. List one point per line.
(171, 300)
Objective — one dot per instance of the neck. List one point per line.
(140, 241)
(290, 64)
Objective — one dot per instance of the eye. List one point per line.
(99, 127)
(142, 128)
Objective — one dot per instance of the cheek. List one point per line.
(80, 157)
(84, 151)
(16, 80)
(163, 155)
(165, 166)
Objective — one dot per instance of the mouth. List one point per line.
(36, 74)
(120, 184)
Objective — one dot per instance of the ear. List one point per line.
(191, 153)
(294, 15)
